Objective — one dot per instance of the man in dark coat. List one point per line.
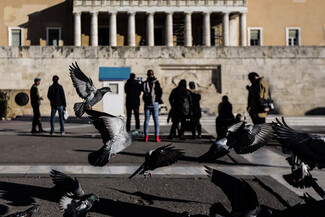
(132, 89)
(36, 102)
(181, 103)
(196, 111)
(57, 98)
(225, 117)
(151, 97)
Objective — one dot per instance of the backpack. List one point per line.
(148, 93)
(185, 105)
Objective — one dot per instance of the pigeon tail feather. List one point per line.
(99, 158)
(139, 170)
(78, 109)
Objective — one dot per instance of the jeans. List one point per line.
(128, 117)
(154, 109)
(53, 111)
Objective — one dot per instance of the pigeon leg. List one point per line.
(150, 174)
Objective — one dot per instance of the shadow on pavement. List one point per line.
(23, 195)
(150, 198)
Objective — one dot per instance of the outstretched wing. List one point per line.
(84, 85)
(66, 183)
(163, 156)
(309, 148)
(241, 195)
(256, 136)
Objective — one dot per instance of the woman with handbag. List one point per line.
(257, 92)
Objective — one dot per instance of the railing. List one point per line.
(93, 3)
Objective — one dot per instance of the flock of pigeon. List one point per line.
(307, 151)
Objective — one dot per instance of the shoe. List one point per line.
(158, 139)
(199, 136)
(146, 138)
(41, 131)
(182, 137)
(62, 133)
(193, 137)
(34, 131)
(170, 137)
(51, 132)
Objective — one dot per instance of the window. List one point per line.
(53, 36)
(15, 36)
(255, 36)
(293, 37)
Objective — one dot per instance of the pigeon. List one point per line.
(159, 157)
(244, 201)
(85, 89)
(29, 212)
(241, 195)
(309, 148)
(74, 202)
(307, 152)
(243, 138)
(114, 135)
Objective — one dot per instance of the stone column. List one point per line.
(112, 30)
(77, 29)
(169, 29)
(225, 29)
(233, 31)
(188, 29)
(150, 29)
(242, 27)
(131, 29)
(94, 29)
(206, 29)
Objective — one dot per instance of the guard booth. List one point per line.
(114, 77)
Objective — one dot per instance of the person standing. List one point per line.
(36, 102)
(57, 98)
(258, 91)
(132, 89)
(181, 102)
(151, 97)
(225, 117)
(196, 111)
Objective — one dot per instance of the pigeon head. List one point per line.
(93, 197)
(105, 90)
(135, 134)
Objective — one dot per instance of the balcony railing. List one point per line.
(148, 3)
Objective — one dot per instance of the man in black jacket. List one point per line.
(36, 102)
(132, 89)
(57, 99)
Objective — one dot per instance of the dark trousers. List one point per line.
(135, 110)
(258, 120)
(222, 127)
(196, 127)
(174, 127)
(36, 119)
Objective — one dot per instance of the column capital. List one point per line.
(151, 12)
(188, 12)
(206, 13)
(77, 13)
(131, 13)
(94, 12)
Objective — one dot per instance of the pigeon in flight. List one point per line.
(159, 157)
(74, 202)
(242, 197)
(85, 89)
(243, 138)
(307, 152)
(114, 135)
(28, 213)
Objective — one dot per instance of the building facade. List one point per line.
(215, 43)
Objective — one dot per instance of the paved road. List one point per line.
(25, 162)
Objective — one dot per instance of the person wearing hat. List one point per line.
(36, 102)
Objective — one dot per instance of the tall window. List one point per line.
(15, 36)
(293, 37)
(53, 36)
(255, 36)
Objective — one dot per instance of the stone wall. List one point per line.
(296, 74)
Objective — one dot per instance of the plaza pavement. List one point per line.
(23, 154)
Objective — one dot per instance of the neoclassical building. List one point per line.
(162, 22)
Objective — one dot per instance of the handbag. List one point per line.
(267, 104)
(65, 114)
